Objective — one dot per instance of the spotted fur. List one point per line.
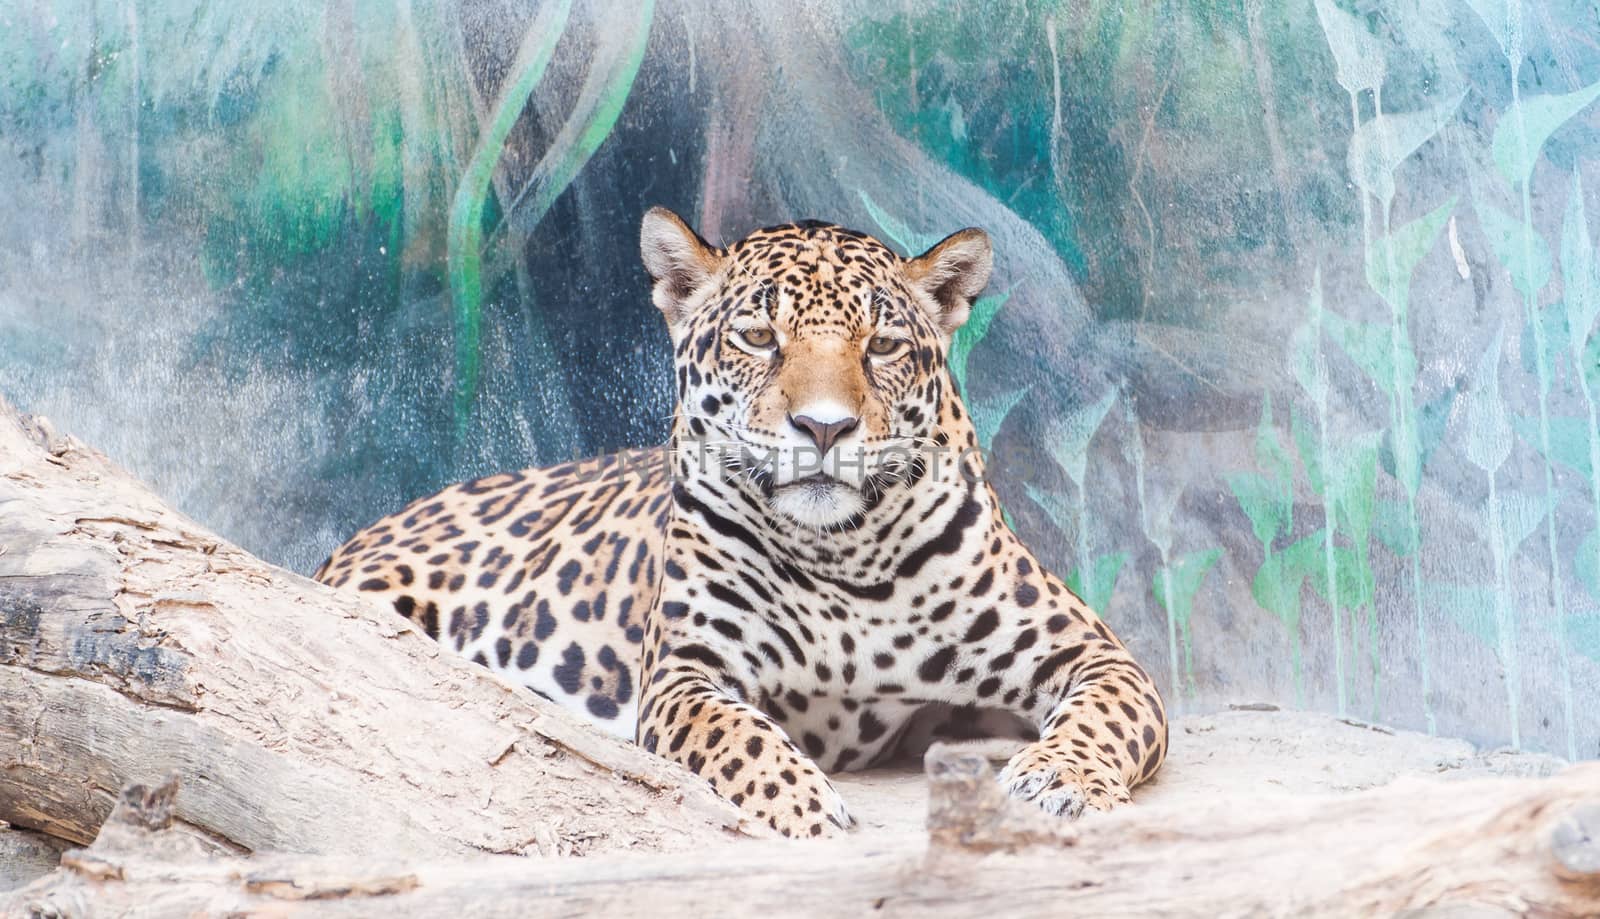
(812, 574)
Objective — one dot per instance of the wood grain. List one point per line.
(135, 644)
(1483, 847)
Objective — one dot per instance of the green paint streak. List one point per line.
(1092, 578)
(989, 414)
(1160, 534)
(1267, 499)
(595, 118)
(1311, 368)
(1536, 317)
(1276, 588)
(1581, 300)
(1583, 633)
(465, 234)
(1377, 149)
(1072, 434)
(1397, 138)
(1488, 444)
(1096, 582)
(1352, 492)
(985, 130)
(972, 334)
(1505, 623)
(895, 230)
(1071, 437)
(1175, 587)
(1523, 130)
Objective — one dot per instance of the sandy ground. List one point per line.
(1253, 754)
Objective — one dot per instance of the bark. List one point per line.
(1490, 847)
(135, 644)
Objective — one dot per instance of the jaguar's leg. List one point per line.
(688, 716)
(1103, 728)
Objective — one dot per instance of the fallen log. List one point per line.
(135, 644)
(1485, 847)
(136, 648)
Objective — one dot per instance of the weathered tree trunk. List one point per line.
(134, 644)
(1484, 848)
(138, 649)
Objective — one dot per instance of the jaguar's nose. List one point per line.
(823, 433)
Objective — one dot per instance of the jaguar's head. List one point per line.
(811, 359)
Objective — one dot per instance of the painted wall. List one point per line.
(1289, 359)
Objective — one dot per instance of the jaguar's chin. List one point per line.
(818, 501)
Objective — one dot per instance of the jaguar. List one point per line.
(813, 575)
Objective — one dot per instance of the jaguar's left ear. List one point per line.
(952, 274)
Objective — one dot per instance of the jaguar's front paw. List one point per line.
(1060, 783)
(800, 807)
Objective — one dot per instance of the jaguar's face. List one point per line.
(811, 358)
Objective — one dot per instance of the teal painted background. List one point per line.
(1290, 358)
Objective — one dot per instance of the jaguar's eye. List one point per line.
(758, 338)
(883, 346)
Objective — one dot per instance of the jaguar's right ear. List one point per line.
(678, 260)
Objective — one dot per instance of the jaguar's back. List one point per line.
(543, 575)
